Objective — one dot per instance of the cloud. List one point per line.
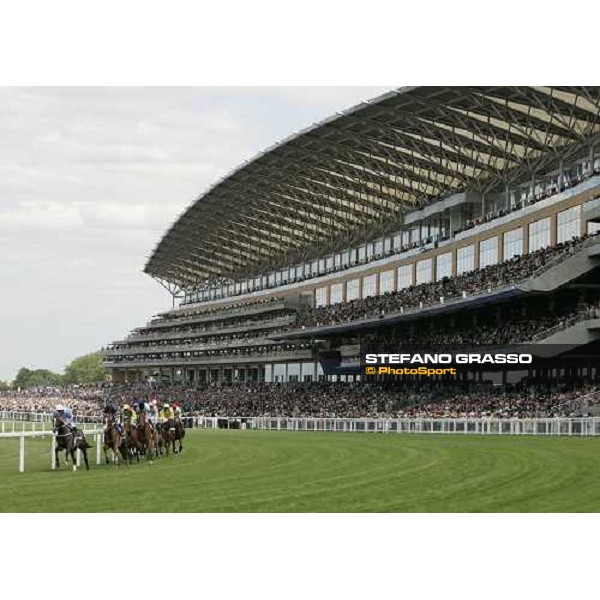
(91, 178)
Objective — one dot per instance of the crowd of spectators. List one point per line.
(85, 400)
(515, 270)
(509, 330)
(322, 400)
(550, 190)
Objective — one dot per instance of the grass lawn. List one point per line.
(268, 471)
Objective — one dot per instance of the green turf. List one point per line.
(249, 471)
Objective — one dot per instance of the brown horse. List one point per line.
(146, 437)
(167, 434)
(132, 442)
(113, 442)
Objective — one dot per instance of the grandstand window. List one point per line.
(488, 252)
(362, 253)
(314, 267)
(244, 287)
(369, 286)
(398, 241)
(539, 234)
(321, 265)
(329, 263)
(353, 255)
(271, 278)
(405, 276)
(513, 243)
(593, 228)
(345, 258)
(443, 265)
(337, 260)
(278, 277)
(378, 246)
(370, 250)
(386, 282)
(352, 289)
(321, 297)
(465, 259)
(387, 244)
(336, 293)
(405, 238)
(568, 224)
(415, 235)
(257, 282)
(425, 271)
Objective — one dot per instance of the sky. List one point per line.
(91, 178)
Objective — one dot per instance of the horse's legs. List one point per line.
(71, 450)
(85, 458)
(56, 460)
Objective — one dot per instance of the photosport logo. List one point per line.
(446, 364)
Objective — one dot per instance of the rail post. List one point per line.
(21, 454)
(53, 453)
(98, 454)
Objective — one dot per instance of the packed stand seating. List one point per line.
(85, 400)
(331, 400)
(510, 330)
(515, 270)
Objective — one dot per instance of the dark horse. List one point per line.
(172, 431)
(69, 441)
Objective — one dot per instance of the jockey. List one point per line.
(129, 414)
(153, 413)
(65, 414)
(144, 408)
(177, 412)
(112, 412)
(166, 413)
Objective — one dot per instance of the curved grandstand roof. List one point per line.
(354, 175)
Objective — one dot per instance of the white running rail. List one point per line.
(22, 435)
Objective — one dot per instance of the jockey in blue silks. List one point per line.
(65, 414)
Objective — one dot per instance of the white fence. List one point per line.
(93, 433)
(580, 426)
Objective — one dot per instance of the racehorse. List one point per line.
(167, 434)
(114, 442)
(145, 436)
(68, 441)
(179, 434)
(132, 443)
(172, 431)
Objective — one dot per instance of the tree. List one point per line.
(4, 385)
(36, 378)
(86, 369)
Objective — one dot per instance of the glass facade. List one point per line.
(488, 252)
(405, 276)
(386, 282)
(352, 289)
(443, 265)
(321, 297)
(425, 271)
(568, 224)
(465, 259)
(513, 243)
(335, 294)
(369, 286)
(539, 234)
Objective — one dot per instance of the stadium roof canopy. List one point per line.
(352, 177)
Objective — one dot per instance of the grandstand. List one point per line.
(429, 215)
